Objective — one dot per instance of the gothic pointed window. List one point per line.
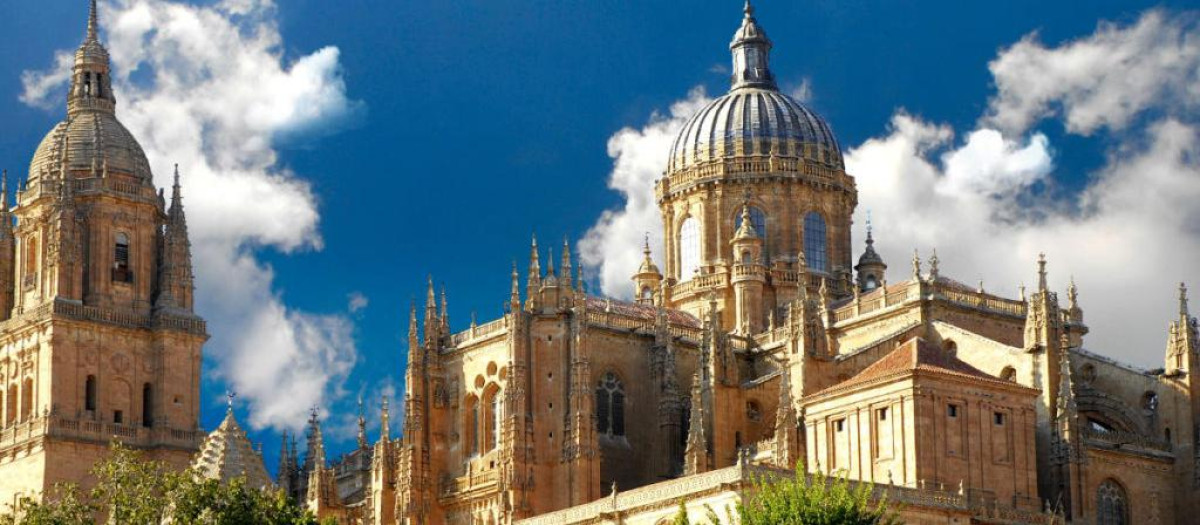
(610, 406)
(689, 249)
(121, 271)
(1112, 504)
(816, 247)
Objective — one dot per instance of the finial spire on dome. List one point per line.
(751, 48)
(92, 35)
(229, 401)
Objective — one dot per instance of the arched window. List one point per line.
(121, 271)
(89, 393)
(1112, 505)
(610, 406)
(871, 283)
(758, 219)
(147, 406)
(689, 249)
(815, 242)
(951, 347)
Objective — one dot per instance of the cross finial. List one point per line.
(748, 9)
(869, 239)
(229, 399)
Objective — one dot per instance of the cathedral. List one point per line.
(98, 338)
(762, 338)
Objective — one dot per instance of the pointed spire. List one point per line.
(384, 421)
(916, 264)
(1183, 302)
(933, 266)
(412, 325)
(1041, 272)
(431, 297)
(696, 453)
(445, 312)
(514, 300)
(362, 424)
(534, 280)
(93, 24)
(1072, 295)
(4, 191)
(550, 264)
(566, 262)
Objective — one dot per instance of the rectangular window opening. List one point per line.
(999, 418)
(839, 425)
(952, 410)
(883, 414)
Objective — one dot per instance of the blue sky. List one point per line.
(435, 137)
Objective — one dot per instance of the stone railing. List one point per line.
(483, 331)
(748, 167)
(694, 334)
(982, 301)
(64, 309)
(747, 272)
(877, 300)
(99, 432)
(1126, 440)
(737, 478)
(471, 481)
(616, 320)
(83, 186)
(699, 284)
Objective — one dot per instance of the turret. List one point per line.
(91, 82)
(749, 276)
(647, 279)
(1182, 343)
(870, 267)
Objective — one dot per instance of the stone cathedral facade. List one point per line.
(98, 338)
(762, 342)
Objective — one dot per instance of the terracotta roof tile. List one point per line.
(915, 354)
(641, 311)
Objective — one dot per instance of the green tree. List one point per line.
(815, 500)
(131, 489)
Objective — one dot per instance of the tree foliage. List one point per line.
(801, 499)
(813, 500)
(131, 489)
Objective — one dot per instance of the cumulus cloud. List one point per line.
(612, 247)
(1102, 80)
(988, 199)
(208, 87)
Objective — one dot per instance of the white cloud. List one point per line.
(356, 302)
(208, 88)
(613, 245)
(1102, 80)
(989, 201)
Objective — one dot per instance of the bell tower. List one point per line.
(99, 340)
(756, 156)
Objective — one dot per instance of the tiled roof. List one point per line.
(641, 311)
(915, 354)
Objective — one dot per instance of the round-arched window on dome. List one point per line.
(816, 244)
(689, 249)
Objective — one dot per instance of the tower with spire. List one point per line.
(96, 273)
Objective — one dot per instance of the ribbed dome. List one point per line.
(754, 118)
(93, 139)
(756, 122)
